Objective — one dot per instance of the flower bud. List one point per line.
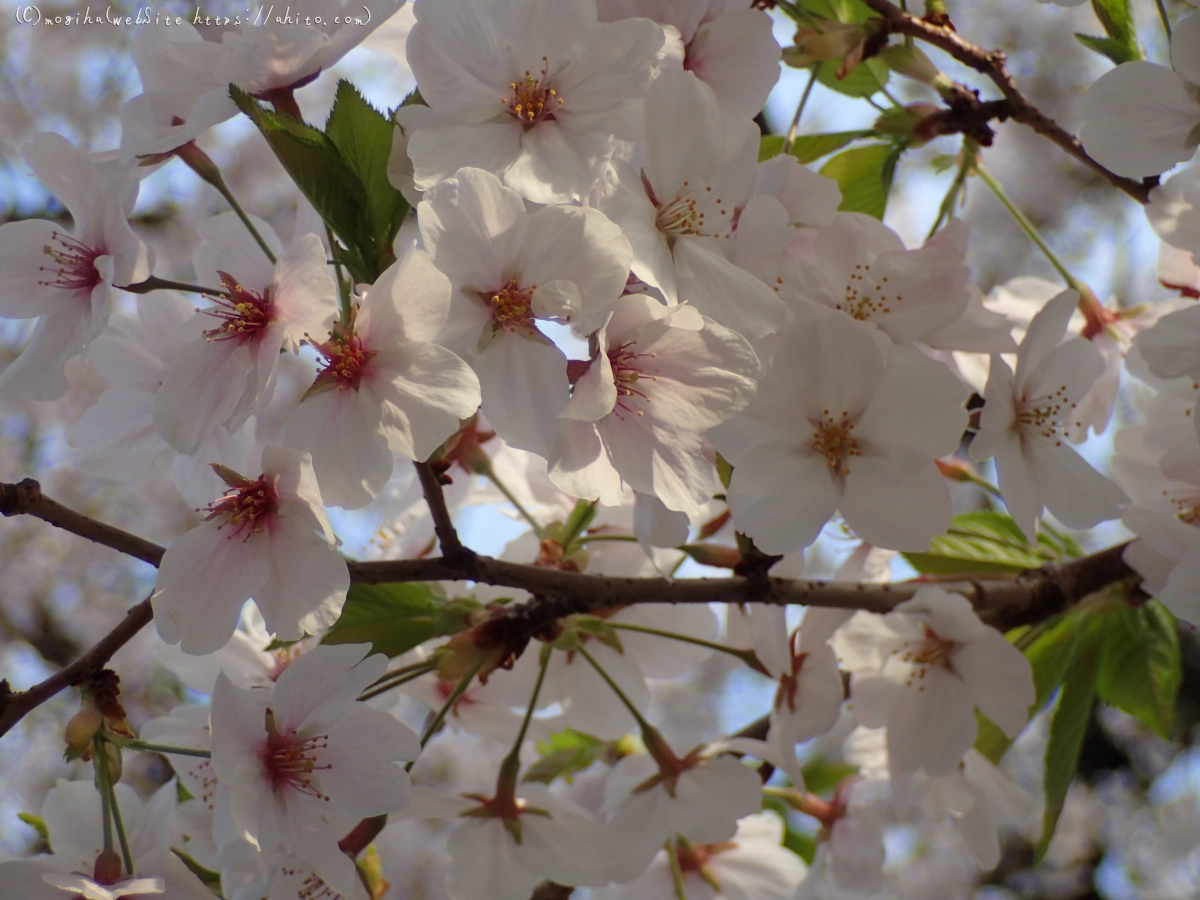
(719, 556)
(80, 731)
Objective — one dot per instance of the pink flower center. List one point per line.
(245, 506)
(243, 313)
(290, 761)
(834, 439)
(512, 306)
(532, 100)
(627, 373)
(73, 266)
(346, 358)
(685, 214)
(862, 302)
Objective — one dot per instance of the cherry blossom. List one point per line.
(1024, 422)
(533, 106)
(510, 270)
(72, 813)
(1171, 349)
(226, 374)
(726, 45)
(660, 378)
(65, 280)
(503, 847)
(267, 538)
(1140, 118)
(832, 428)
(385, 386)
(922, 670)
(301, 763)
(750, 866)
(680, 210)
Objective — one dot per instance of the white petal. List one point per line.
(782, 520)
(426, 390)
(523, 378)
(1000, 679)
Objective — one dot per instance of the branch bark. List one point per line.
(993, 64)
(1028, 598)
(443, 526)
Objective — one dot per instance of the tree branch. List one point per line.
(1030, 597)
(26, 498)
(993, 64)
(14, 706)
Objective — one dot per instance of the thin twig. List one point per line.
(993, 64)
(452, 547)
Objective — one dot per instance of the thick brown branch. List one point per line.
(993, 64)
(26, 498)
(14, 706)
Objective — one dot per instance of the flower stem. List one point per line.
(795, 126)
(490, 473)
(108, 793)
(100, 758)
(1166, 20)
(154, 283)
(163, 748)
(676, 870)
(397, 678)
(543, 664)
(590, 538)
(746, 656)
(342, 281)
(970, 154)
(633, 710)
(459, 690)
(1028, 228)
(510, 768)
(212, 175)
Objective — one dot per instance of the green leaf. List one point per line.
(823, 777)
(810, 147)
(331, 186)
(864, 174)
(983, 543)
(1108, 48)
(580, 518)
(565, 754)
(802, 844)
(1050, 653)
(394, 618)
(211, 879)
(363, 137)
(865, 80)
(1067, 730)
(848, 11)
(1142, 668)
(1117, 19)
(37, 823)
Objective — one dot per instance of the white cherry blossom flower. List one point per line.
(502, 848)
(660, 378)
(700, 797)
(1141, 118)
(728, 46)
(680, 210)
(533, 105)
(385, 386)
(1024, 423)
(72, 813)
(509, 270)
(859, 266)
(831, 428)
(1171, 348)
(301, 763)
(65, 280)
(850, 862)
(749, 866)
(226, 374)
(922, 670)
(267, 538)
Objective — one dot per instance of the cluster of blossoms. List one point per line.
(584, 177)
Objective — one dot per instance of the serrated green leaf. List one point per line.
(331, 186)
(363, 137)
(37, 823)
(1068, 726)
(1141, 667)
(866, 79)
(1108, 48)
(1117, 19)
(864, 174)
(394, 618)
(981, 543)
